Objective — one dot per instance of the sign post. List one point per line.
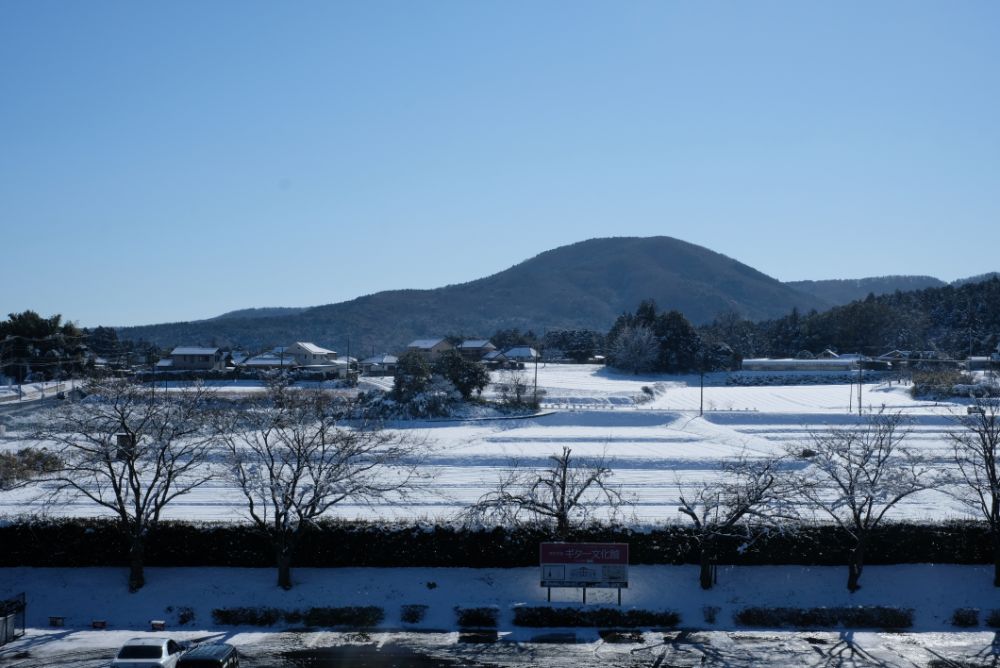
(584, 565)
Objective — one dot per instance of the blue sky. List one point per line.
(173, 161)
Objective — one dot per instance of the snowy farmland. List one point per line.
(656, 444)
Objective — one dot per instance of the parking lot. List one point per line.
(552, 649)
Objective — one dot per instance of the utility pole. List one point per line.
(536, 375)
(701, 398)
(860, 381)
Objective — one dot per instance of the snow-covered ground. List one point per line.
(656, 448)
(82, 595)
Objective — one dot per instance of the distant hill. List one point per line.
(583, 285)
(981, 278)
(264, 312)
(844, 291)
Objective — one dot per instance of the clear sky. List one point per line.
(176, 160)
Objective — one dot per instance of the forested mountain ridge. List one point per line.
(844, 291)
(585, 285)
(954, 320)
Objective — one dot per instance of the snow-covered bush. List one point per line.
(439, 398)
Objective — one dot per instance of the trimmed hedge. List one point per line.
(965, 617)
(477, 618)
(412, 613)
(353, 616)
(89, 542)
(860, 617)
(540, 617)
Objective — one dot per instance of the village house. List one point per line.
(268, 361)
(521, 354)
(379, 365)
(190, 358)
(309, 354)
(431, 349)
(475, 349)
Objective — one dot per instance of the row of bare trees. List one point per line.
(295, 454)
(292, 454)
(854, 476)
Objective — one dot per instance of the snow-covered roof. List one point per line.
(332, 364)
(475, 344)
(384, 358)
(424, 344)
(313, 349)
(494, 355)
(269, 360)
(193, 350)
(165, 363)
(521, 352)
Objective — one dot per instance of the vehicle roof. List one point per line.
(213, 650)
(146, 641)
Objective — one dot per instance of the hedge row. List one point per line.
(860, 617)
(80, 542)
(353, 616)
(539, 617)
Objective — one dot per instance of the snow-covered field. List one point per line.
(656, 448)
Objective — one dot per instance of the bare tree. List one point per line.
(512, 387)
(294, 455)
(635, 349)
(131, 452)
(857, 475)
(977, 458)
(751, 498)
(564, 493)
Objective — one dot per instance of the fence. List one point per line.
(12, 618)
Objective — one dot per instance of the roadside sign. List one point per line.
(587, 565)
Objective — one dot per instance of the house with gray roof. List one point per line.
(476, 349)
(431, 349)
(192, 358)
(380, 365)
(521, 354)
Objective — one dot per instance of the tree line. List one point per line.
(956, 321)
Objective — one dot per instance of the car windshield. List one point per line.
(140, 652)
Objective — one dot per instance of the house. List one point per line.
(268, 361)
(521, 354)
(190, 358)
(475, 349)
(494, 358)
(380, 365)
(431, 349)
(309, 354)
